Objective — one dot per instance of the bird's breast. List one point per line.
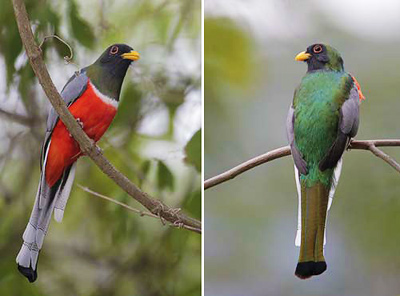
(95, 112)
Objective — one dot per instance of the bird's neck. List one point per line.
(105, 81)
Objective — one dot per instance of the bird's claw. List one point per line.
(78, 120)
(158, 210)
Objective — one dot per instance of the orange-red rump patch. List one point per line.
(360, 94)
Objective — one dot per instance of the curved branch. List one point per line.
(370, 145)
(87, 146)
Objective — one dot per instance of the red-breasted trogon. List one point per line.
(322, 119)
(92, 96)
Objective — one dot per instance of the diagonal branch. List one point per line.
(370, 145)
(87, 146)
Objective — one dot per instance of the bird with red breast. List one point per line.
(92, 96)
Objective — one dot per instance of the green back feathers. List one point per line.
(317, 102)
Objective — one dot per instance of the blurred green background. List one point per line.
(250, 77)
(101, 248)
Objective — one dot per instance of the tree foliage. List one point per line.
(100, 248)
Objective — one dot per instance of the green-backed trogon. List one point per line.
(92, 96)
(322, 119)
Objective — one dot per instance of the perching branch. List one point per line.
(87, 146)
(370, 145)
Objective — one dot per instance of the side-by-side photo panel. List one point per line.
(302, 183)
(101, 148)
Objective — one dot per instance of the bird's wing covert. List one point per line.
(299, 162)
(347, 128)
(72, 90)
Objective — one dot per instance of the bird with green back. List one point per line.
(322, 119)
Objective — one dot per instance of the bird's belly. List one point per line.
(95, 116)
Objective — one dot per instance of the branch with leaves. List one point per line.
(370, 145)
(87, 145)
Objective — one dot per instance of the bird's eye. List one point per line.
(114, 49)
(317, 48)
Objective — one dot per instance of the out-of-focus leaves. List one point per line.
(47, 16)
(144, 168)
(229, 53)
(164, 177)
(47, 20)
(162, 26)
(193, 151)
(129, 107)
(10, 42)
(27, 75)
(81, 29)
(193, 204)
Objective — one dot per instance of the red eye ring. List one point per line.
(114, 49)
(317, 48)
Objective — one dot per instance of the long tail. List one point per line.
(311, 228)
(314, 206)
(47, 200)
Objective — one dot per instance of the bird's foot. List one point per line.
(158, 210)
(80, 123)
(78, 120)
(348, 146)
(174, 211)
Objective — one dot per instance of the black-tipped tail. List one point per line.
(305, 270)
(319, 267)
(28, 272)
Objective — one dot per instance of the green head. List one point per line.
(108, 72)
(321, 57)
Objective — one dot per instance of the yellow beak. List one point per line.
(133, 55)
(303, 56)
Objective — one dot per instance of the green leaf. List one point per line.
(193, 151)
(228, 53)
(192, 204)
(144, 169)
(165, 177)
(129, 107)
(81, 29)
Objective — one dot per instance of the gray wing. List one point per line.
(347, 129)
(75, 86)
(299, 162)
(72, 90)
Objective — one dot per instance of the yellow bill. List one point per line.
(133, 55)
(302, 56)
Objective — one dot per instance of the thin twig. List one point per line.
(69, 58)
(141, 213)
(87, 145)
(176, 224)
(285, 151)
